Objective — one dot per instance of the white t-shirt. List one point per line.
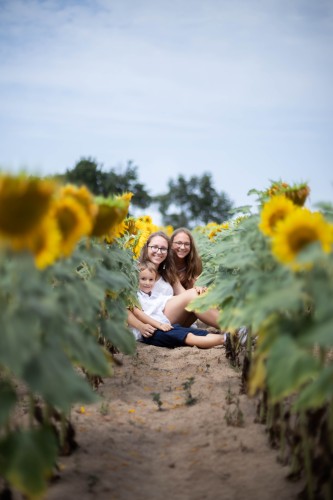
(162, 287)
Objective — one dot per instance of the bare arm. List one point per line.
(178, 288)
(145, 329)
(143, 317)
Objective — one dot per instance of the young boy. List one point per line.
(166, 335)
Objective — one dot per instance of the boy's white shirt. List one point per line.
(153, 306)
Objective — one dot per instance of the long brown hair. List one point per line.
(167, 268)
(192, 261)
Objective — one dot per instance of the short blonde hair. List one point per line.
(147, 264)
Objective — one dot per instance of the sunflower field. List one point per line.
(273, 273)
(68, 275)
(66, 280)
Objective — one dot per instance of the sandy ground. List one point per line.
(203, 443)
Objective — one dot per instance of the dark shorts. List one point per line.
(173, 338)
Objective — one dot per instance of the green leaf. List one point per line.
(27, 459)
(51, 375)
(119, 335)
(116, 281)
(94, 291)
(320, 334)
(19, 340)
(289, 367)
(83, 348)
(263, 304)
(318, 392)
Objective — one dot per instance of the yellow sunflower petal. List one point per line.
(45, 243)
(275, 210)
(24, 203)
(296, 232)
(73, 222)
(82, 195)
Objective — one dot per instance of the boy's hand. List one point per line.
(165, 327)
(147, 330)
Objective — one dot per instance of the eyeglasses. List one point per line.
(180, 244)
(155, 249)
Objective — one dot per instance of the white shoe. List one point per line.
(242, 335)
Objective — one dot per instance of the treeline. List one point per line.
(186, 202)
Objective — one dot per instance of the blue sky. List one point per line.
(241, 89)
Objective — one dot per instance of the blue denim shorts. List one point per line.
(173, 338)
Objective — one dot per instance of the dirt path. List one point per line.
(128, 449)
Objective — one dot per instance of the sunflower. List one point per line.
(145, 223)
(217, 228)
(296, 232)
(138, 240)
(298, 193)
(73, 222)
(168, 229)
(116, 231)
(111, 213)
(143, 237)
(275, 210)
(139, 231)
(45, 243)
(82, 195)
(126, 200)
(131, 225)
(24, 203)
(146, 219)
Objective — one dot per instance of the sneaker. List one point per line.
(242, 335)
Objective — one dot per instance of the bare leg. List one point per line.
(210, 340)
(175, 310)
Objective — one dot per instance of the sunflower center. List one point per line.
(276, 217)
(67, 220)
(301, 237)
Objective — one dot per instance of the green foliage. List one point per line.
(114, 181)
(8, 400)
(51, 325)
(27, 460)
(290, 315)
(285, 378)
(189, 203)
(291, 312)
(87, 172)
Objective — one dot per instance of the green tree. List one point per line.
(88, 173)
(107, 183)
(193, 202)
(118, 182)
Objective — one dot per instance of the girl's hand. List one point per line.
(147, 330)
(200, 289)
(165, 327)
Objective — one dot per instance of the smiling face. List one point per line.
(181, 245)
(146, 280)
(157, 250)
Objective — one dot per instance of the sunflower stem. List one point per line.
(307, 456)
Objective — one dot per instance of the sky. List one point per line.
(239, 89)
